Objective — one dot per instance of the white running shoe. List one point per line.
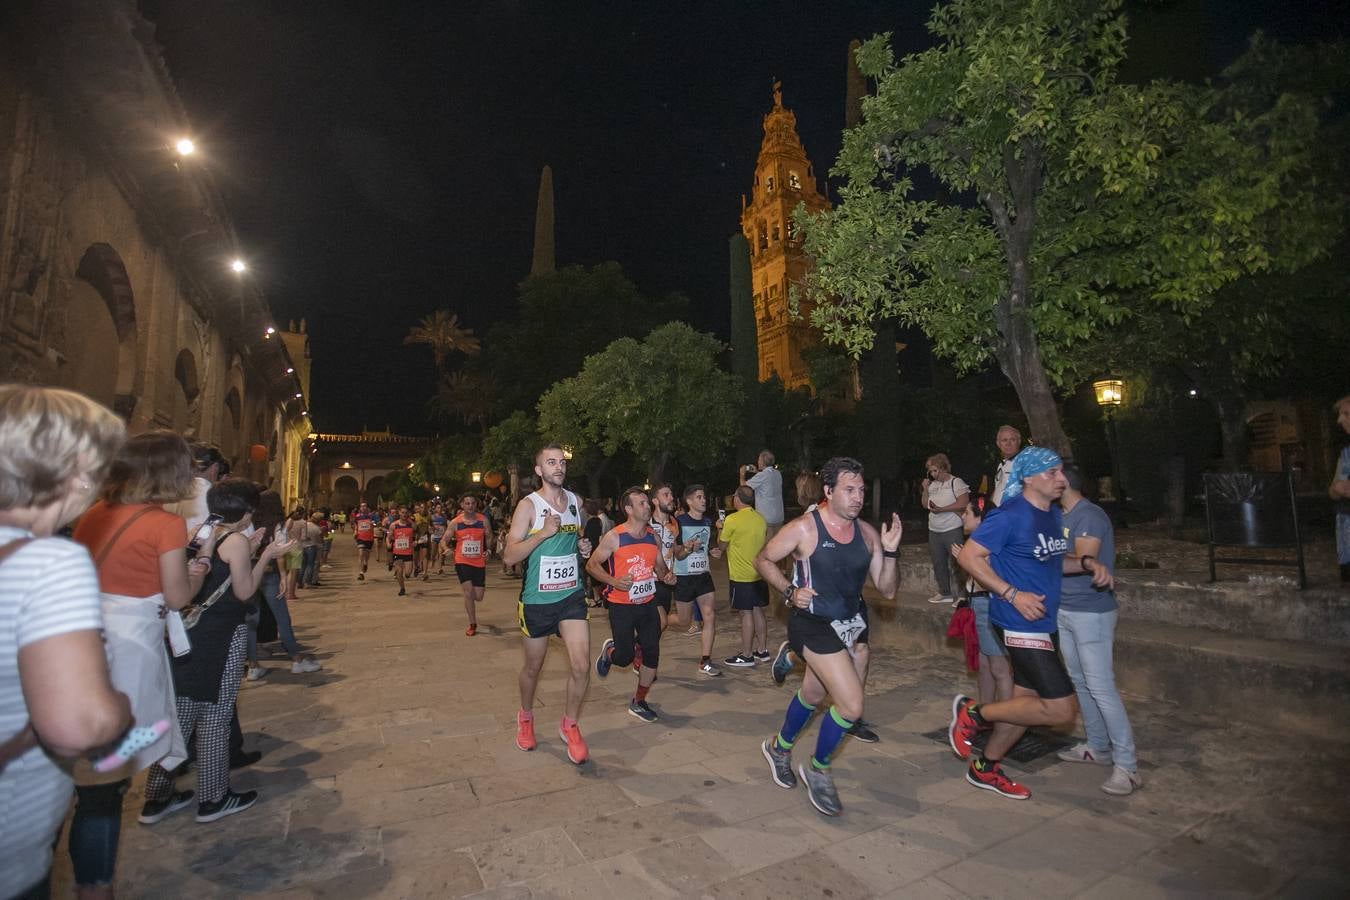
(1122, 782)
(1082, 753)
(257, 673)
(305, 666)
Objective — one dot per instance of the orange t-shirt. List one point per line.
(132, 568)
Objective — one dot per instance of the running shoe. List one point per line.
(940, 598)
(780, 763)
(762, 655)
(862, 731)
(1122, 782)
(228, 805)
(993, 779)
(641, 710)
(602, 662)
(157, 810)
(782, 663)
(471, 630)
(305, 666)
(360, 576)
(401, 592)
(740, 661)
(820, 790)
(1082, 753)
(257, 673)
(962, 729)
(709, 669)
(576, 746)
(693, 630)
(524, 731)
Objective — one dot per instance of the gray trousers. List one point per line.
(944, 566)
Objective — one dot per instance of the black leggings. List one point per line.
(635, 623)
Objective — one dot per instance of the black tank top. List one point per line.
(836, 572)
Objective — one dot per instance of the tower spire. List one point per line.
(544, 262)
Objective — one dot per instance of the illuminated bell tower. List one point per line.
(783, 178)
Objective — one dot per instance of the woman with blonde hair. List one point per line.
(945, 497)
(139, 553)
(56, 698)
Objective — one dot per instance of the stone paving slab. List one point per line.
(393, 773)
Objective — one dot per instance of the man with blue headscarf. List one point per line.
(1019, 554)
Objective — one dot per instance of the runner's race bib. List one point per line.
(849, 629)
(557, 573)
(642, 591)
(471, 548)
(1028, 640)
(401, 543)
(698, 563)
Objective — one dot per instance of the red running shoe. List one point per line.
(993, 779)
(962, 729)
(524, 731)
(576, 747)
(472, 629)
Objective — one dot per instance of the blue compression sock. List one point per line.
(798, 714)
(832, 730)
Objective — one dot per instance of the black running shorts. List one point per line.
(747, 595)
(664, 594)
(539, 620)
(475, 575)
(689, 588)
(808, 632)
(1036, 663)
(365, 545)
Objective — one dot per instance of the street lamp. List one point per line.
(477, 477)
(238, 266)
(185, 147)
(1110, 393)
(567, 451)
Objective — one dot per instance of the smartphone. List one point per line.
(203, 532)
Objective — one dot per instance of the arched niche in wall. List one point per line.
(187, 391)
(229, 427)
(101, 330)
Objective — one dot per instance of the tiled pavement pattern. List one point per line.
(393, 773)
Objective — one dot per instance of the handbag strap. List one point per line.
(209, 602)
(108, 545)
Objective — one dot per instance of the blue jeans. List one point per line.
(271, 591)
(95, 830)
(309, 567)
(1085, 640)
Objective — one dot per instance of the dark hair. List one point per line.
(540, 452)
(746, 494)
(152, 467)
(232, 499)
(1073, 475)
(693, 489)
(839, 465)
(630, 492)
(205, 455)
(268, 514)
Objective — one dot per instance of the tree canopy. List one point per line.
(1073, 204)
(659, 398)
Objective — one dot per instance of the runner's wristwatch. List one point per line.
(788, 593)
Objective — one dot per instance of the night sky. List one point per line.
(381, 160)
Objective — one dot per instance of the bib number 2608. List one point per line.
(558, 573)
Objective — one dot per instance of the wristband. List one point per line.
(1008, 590)
(890, 554)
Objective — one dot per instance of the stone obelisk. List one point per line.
(544, 262)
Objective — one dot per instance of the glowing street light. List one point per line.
(268, 333)
(1109, 391)
(185, 147)
(299, 396)
(238, 266)
(477, 477)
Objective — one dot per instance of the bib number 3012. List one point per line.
(558, 573)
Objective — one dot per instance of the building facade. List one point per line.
(349, 468)
(783, 179)
(116, 249)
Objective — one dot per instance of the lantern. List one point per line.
(492, 479)
(257, 453)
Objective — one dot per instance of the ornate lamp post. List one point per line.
(1110, 393)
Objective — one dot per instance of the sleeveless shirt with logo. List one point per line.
(553, 569)
(635, 557)
(696, 563)
(469, 540)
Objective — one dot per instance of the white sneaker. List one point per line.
(1082, 753)
(257, 673)
(303, 666)
(939, 598)
(1122, 782)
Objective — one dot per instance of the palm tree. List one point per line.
(442, 331)
(471, 396)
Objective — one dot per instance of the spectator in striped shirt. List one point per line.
(56, 698)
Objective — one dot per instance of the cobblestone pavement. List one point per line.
(393, 773)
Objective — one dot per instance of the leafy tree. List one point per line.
(471, 396)
(660, 398)
(564, 317)
(1078, 202)
(442, 332)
